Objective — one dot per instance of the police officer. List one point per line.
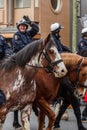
(24, 36)
(20, 39)
(82, 49)
(82, 44)
(5, 51)
(55, 30)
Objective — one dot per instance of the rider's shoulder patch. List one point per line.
(81, 44)
(16, 37)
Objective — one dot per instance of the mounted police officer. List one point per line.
(20, 39)
(55, 30)
(82, 44)
(24, 36)
(5, 52)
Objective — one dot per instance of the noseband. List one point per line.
(51, 64)
(77, 83)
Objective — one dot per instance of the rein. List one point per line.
(77, 83)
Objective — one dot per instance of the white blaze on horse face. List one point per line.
(19, 80)
(60, 67)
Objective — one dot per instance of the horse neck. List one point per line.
(70, 60)
(34, 60)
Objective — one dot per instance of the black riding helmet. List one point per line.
(22, 22)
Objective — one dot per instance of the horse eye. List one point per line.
(84, 74)
(51, 51)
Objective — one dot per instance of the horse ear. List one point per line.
(84, 62)
(47, 38)
(80, 61)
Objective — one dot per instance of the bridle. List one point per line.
(76, 84)
(51, 65)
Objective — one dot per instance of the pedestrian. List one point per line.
(20, 39)
(82, 49)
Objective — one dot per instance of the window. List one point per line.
(56, 5)
(36, 3)
(22, 3)
(1, 3)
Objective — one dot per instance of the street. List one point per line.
(71, 124)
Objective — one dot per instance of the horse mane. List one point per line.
(22, 57)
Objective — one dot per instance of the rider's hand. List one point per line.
(27, 19)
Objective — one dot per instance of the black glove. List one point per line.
(27, 19)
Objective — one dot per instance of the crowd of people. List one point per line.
(25, 36)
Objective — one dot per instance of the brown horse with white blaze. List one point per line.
(17, 77)
(48, 85)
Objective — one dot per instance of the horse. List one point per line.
(48, 87)
(71, 98)
(17, 84)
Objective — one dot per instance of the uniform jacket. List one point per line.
(82, 44)
(5, 50)
(20, 39)
(61, 47)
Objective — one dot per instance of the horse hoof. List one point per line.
(56, 129)
(17, 126)
(65, 116)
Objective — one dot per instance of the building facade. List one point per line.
(44, 13)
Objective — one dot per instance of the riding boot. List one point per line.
(16, 122)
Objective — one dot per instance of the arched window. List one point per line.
(56, 5)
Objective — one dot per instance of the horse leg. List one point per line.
(16, 122)
(3, 113)
(73, 100)
(25, 117)
(45, 107)
(41, 119)
(61, 112)
(76, 108)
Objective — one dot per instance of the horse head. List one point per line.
(81, 78)
(51, 58)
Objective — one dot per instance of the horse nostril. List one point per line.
(63, 70)
(80, 95)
